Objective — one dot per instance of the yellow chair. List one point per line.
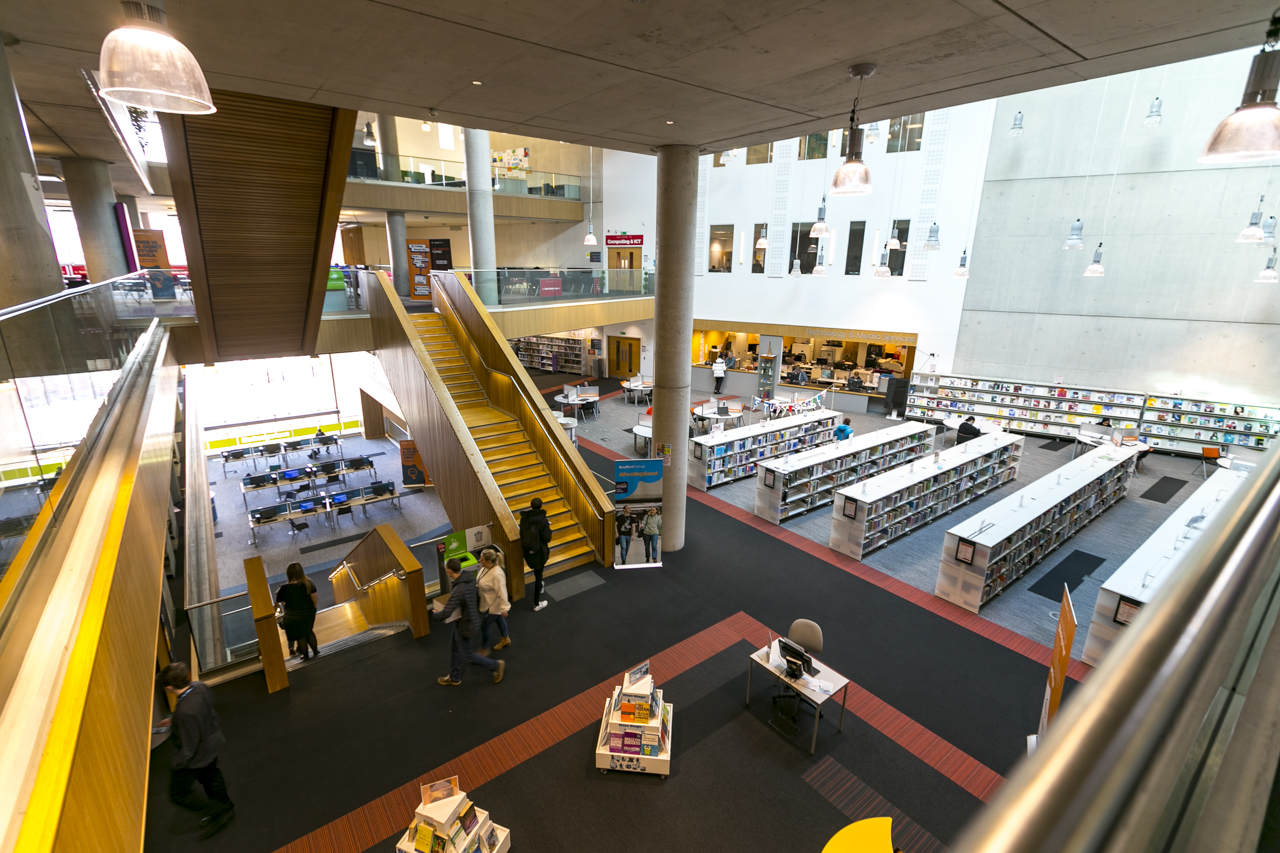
(873, 835)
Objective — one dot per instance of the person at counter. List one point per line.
(717, 370)
(968, 430)
(729, 361)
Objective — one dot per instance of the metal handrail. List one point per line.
(69, 293)
(1097, 761)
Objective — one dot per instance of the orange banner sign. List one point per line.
(1058, 663)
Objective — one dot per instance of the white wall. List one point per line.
(631, 198)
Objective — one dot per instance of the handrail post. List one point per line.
(264, 625)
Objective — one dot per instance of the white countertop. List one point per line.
(763, 427)
(875, 488)
(853, 444)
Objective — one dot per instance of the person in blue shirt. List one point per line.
(844, 430)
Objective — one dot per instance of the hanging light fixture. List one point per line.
(873, 133)
(426, 125)
(853, 177)
(795, 268)
(369, 138)
(142, 65)
(962, 271)
(1075, 240)
(1016, 130)
(1268, 232)
(1252, 232)
(1153, 114)
(883, 270)
(1094, 270)
(763, 242)
(1252, 132)
(590, 239)
(932, 244)
(1268, 275)
(819, 268)
(819, 228)
(893, 244)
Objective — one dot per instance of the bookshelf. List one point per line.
(734, 454)
(792, 485)
(1140, 577)
(1187, 424)
(1005, 540)
(878, 510)
(1036, 408)
(448, 821)
(551, 353)
(635, 728)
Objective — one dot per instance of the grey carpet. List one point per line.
(1164, 489)
(1071, 571)
(560, 590)
(1056, 445)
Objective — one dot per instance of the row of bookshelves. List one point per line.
(734, 454)
(551, 353)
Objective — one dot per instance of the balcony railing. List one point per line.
(368, 165)
(539, 286)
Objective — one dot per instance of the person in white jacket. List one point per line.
(717, 370)
(491, 583)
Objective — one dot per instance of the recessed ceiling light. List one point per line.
(671, 122)
(476, 83)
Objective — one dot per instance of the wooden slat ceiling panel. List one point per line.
(258, 168)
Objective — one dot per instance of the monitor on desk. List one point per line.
(306, 506)
(291, 474)
(269, 512)
(828, 373)
(821, 361)
(257, 480)
(340, 498)
(753, 348)
(270, 449)
(328, 467)
(792, 650)
(327, 439)
(358, 463)
(293, 445)
(232, 454)
(382, 489)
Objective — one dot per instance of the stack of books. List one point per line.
(635, 731)
(448, 822)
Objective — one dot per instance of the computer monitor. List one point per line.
(828, 374)
(257, 479)
(753, 348)
(270, 449)
(822, 361)
(358, 463)
(328, 439)
(268, 512)
(328, 467)
(233, 454)
(293, 445)
(291, 474)
(340, 498)
(306, 506)
(788, 649)
(382, 489)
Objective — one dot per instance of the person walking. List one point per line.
(296, 602)
(717, 370)
(844, 430)
(463, 602)
(626, 529)
(197, 738)
(494, 602)
(650, 530)
(535, 542)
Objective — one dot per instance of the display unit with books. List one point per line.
(734, 454)
(1030, 407)
(878, 510)
(1188, 424)
(635, 728)
(551, 353)
(792, 485)
(448, 822)
(983, 555)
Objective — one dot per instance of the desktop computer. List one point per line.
(794, 652)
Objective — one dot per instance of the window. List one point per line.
(757, 255)
(720, 158)
(853, 257)
(814, 146)
(844, 142)
(905, 133)
(898, 257)
(801, 244)
(721, 249)
(762, 153)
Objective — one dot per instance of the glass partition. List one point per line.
(367, 165)
(223, 631)
(538, 286)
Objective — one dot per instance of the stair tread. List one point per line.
(570, 552)
(524, 460)
(519, 475)
(520, 503)
(500, 441)
(534, 485)
(566, 535)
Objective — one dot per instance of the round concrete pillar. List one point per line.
(93, 202)
(398, 251)
(389, 149)
(484, 253)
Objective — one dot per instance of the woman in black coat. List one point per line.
(296, 602)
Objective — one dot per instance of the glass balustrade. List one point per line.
(539, 286)
(223, 631)
(368, 165)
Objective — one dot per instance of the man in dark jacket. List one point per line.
(197, 734)
(535, 542)
(463, 602)
(968, 430)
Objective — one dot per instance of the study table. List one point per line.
(710, 412)
(578, 402)
(644, 431)
(771, 661)
(328, 505)
(279, 448)
(308, 474)
(636, 388)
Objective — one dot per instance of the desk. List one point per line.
(644, 431)
(308, 474)
(577, 403)
(571, 427)
(322, 504)
(807, 690)
(708, 411)
(985, 427)
(637, 389)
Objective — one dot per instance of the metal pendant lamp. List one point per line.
(962, 271)
(932, 244)
(1268, 275)
(853, 177)
(819, 228)
(1016, 130)
(873, 133)
(893, 244)
(590, 239)
(819, 268)
(1075, 240)
(1153, 115)
(142, 65)
(763, 242)
(369, 138)
(1252, 232)
(1252, 132)
(883, 271)
(1094, 270)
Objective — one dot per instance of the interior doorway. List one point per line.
(623, 259)
(624, 357)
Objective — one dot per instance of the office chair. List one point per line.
(808, 635)
(289, 496)
(1207, 453)
(295, 527)
(344, 510)
(333, 478)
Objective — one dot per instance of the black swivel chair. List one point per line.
(344, 510)
(295, 527)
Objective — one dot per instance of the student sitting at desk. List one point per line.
(968, 430)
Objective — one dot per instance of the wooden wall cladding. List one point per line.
(384, 597)
(527, 322)
(420, 199)
(258, 187)
(265, 627)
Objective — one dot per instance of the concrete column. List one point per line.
(144, 220)
(389, 148)
(484, 253)
(89, 188)
(677, 215)
(30, 268)
(131, 204)
(397, 251)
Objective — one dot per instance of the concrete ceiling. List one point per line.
(622, 74)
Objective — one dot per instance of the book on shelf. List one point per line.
(424, 838)
(469, 819)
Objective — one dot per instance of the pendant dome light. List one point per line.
(763, 242)
(853, 177)
(1268, 232)
(962, 271)
(1252, 132)
(873, 133)
(932, 244)
(795, 268)
(426, 126)
(1153, 114)
(1252, 232)
(819, 268)
(819, 228)
(1075, 240)
(894, 245)
(142, 65)
(590, 239)
(1268, 275)
(1094, 270)
(883, 270)
(1016, 130)
(369, 138)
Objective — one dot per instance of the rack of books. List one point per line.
(448, 822)
(1185, 424)
(551, 353)
(735, 453)
(1020, 406)
(984, 554)
(793, 485)
(635, 730)
(878, 510)
(1140, 577)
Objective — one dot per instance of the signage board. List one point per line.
(624, 240)
(419, 266)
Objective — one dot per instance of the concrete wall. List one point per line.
(1177, 311)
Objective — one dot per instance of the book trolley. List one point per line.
(635, 729)
(880, 509)
(1185, 425)
(733, 454)
(448, 822)
(792, 485)
(984, 554)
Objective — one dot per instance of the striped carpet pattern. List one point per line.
(857, 802)
(392, 812)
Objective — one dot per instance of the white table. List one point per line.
(806, 686)
(570, 426)
(636, 389)
(708, 411)
(644, 431)
(577, 403)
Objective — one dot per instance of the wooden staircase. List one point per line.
(511, 459)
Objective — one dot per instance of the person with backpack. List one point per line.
(464, 602)
(535, 542)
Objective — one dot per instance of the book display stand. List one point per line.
(984, 554)
(882, 508)
(792, 485)
(448, 822)
(733, 454)
(635, 730)
(1185, 425)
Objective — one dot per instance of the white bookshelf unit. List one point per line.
(793, 485)
(1140, 577)
(632, 745)
(878, 510)
(734, 454)
(446, 819)
(1036, 408)
(552, 353)
(984, 554)
(1187, 424)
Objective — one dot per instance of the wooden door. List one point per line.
(624, 357)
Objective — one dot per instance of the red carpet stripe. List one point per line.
(857, 802)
